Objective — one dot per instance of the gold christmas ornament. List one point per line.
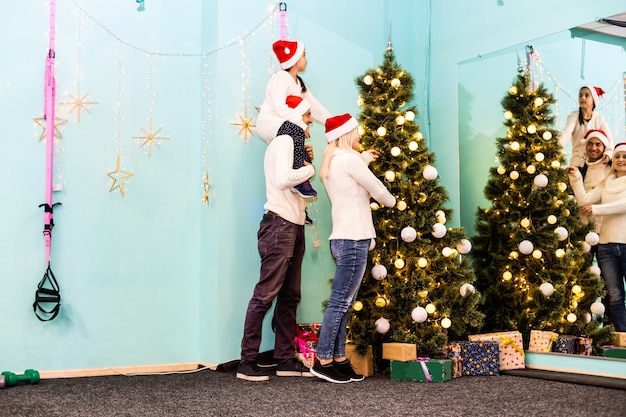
(401, 205)
(358, 306)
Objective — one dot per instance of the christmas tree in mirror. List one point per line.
(418, 285)
(533, 253)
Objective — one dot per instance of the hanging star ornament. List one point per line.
(207, 188)
(79, 103)
(245, 125)
(151, 137)
(119, 177)
(58, 121)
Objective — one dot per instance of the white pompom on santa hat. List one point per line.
(298, 103)
(337, 126)
(596, 93)
(598, 134)
(288, 52)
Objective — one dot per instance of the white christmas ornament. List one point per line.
(531, 169)
(514, 175)
(448, 252)
(539, 157)
(538, 101)
(430, 308)
(408, 234)
(368, 80)
(439, 230)
(561, 233)
(508, 115)
(395, 83)
(381, 131)
(395, 151)
(546, 289)
(597, 308)
(540, 181)
(526, 247)
(446, 323)
(372, 244)
(399, 263)
(413, 145)
(552, 219)
(547, 135)
(592, 238)
(571, 317)
(379, 272)
(501, 170)
(532, 129)
(390, 175)
(422, 262)
(464, 246)
(514, 146)
(400, 120)
(595, 269)
(401, 205)
(382, 325)
(419, 314)
(466, 289)
(410, 116)
(586, 247)
(429, 172)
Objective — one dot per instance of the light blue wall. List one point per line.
(157, 276)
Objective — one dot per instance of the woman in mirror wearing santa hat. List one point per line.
(581, 121)
(349, 184)
(608, 199)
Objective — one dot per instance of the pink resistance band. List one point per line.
(47, 297)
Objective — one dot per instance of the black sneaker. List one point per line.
(304, 190)
(330, 373)
(346, 368)
(307, 219)
(249, 371)
(292, 367)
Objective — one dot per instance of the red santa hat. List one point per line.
(338, 126)
(288, 52)
(298, 103)
(620, 147)
(596, 93)
(599, 134)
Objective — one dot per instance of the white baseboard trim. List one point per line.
(129, 370)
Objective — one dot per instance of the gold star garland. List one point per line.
(58, 121)
(245, 125)
(79, 103)
(151, 137)
(119, 177)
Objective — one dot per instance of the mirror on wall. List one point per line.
(563, 62)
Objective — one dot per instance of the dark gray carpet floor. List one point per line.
(212, 393)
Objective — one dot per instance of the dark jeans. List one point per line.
(281, 246)
(612, 263)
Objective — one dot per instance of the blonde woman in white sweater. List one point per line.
(349, 184)
(608, 200)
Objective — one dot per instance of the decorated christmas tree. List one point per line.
(418, 285)
(532, 254)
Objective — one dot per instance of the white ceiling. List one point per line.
(613, 26)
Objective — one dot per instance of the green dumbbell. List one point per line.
(30, 376)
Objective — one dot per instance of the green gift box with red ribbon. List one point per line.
(422, 370)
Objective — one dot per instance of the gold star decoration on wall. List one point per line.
(58, 121)
(79, 103)
(151, 137)
(245, 125)
(207, 188)
(119, 177)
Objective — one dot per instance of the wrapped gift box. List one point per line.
(614, 352)
(565, 344)
(423, 370)
(403, 352)
(585, 345)
(541, 340)
(511, 347)
(362, 364)
(305, 343)
(480, 358)
(619, 339)
(453, 352)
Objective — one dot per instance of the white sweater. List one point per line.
(574, 133)
(607, 200)
(596, 173)
(274, 111)
(280, 177)
(350, 185)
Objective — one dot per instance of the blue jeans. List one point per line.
(281, 246)
(612, 263)
(351, 259)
